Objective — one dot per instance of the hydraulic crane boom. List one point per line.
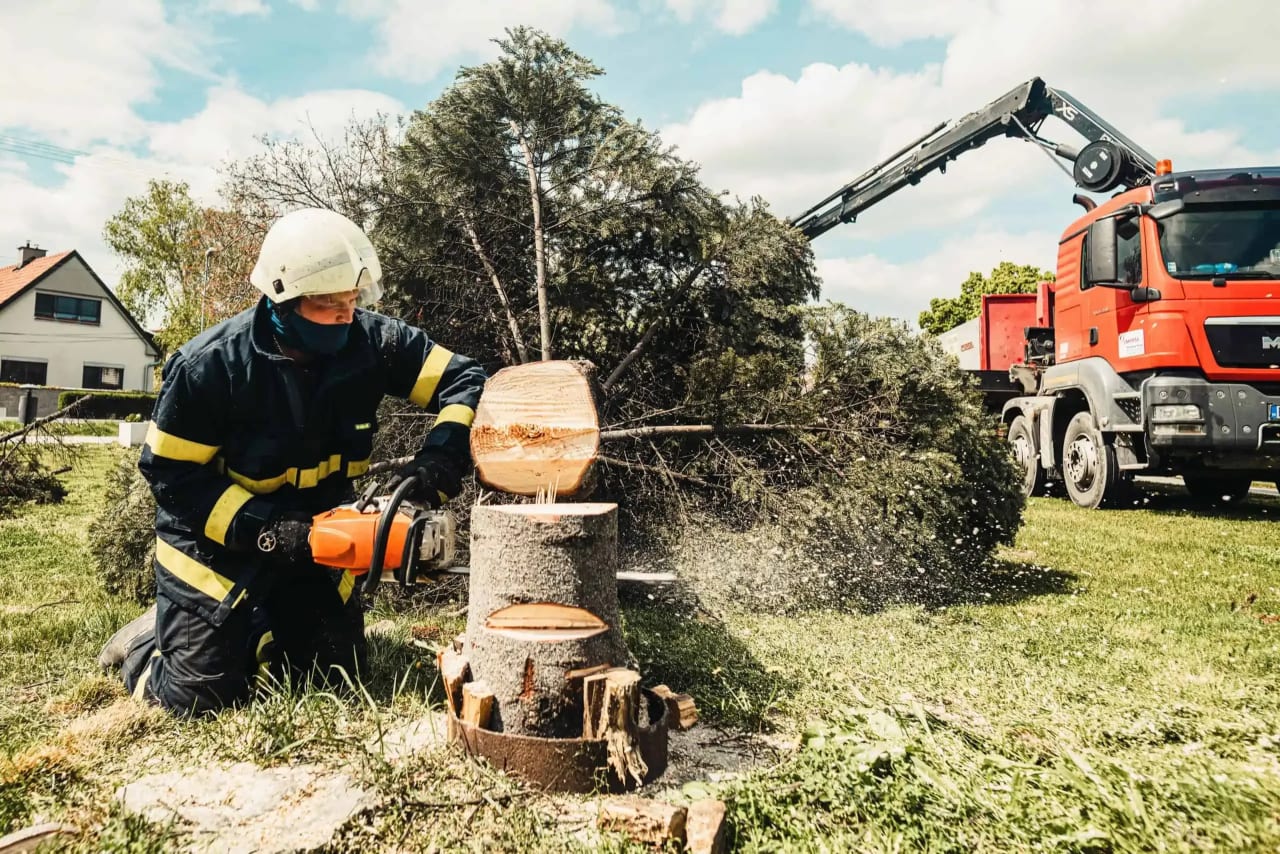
(1109, 160)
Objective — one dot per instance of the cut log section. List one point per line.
(537, 429)
(543, 606)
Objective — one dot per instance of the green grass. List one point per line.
(1109, 685)
(68, 428)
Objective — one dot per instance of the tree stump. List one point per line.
(543, 611)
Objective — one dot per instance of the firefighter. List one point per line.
(262, 422)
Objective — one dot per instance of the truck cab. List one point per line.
(1164, 342)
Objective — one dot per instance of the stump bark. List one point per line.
(543, 611)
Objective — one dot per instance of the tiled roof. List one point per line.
(13, 279)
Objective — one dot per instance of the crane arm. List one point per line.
(1109, 160)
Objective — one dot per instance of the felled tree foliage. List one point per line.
(892, 485)
(122, 541)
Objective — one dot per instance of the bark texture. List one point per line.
(554, 554)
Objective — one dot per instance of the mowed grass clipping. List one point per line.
(1109, 685)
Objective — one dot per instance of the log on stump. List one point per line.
(543, 611)
(537, 429)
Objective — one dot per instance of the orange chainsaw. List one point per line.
(408, 543)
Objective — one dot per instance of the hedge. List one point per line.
(110, 404)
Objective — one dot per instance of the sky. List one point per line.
(785, 99)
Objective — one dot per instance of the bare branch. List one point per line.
(643, 343)
(516, 337)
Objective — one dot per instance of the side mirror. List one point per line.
(1164, 210)
(1101, 264)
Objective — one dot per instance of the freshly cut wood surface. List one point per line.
(537, 429)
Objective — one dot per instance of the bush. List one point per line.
(122, 540)
(109, 404)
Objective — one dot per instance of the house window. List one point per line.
(74, 309)
(103, 376)
(18, 371)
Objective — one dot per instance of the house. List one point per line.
(61, 326)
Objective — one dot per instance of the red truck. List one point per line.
(1157, 348)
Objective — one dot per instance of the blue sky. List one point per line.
(783, 98)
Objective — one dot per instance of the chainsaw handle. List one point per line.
(383, 533)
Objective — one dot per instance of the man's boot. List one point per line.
(113, 653)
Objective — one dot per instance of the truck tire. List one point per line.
(1218, 488)
(1023, 445)
(1090, 470)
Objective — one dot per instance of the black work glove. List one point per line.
(286, 539)
(435, 478)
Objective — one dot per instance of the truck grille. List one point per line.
(1244, 342)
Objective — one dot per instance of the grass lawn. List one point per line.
(1109, 685)
(63, 427)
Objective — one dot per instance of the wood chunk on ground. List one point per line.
(645, 821)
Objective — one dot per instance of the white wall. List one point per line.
(67, 346)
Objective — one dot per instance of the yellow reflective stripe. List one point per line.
(140, 690)
(224, 512)
(194, 573)
(301, 478)
(457, 413)
(346, 584)
(267, 637)
(429, 377)
(444, 499)
(177, 448)
(355, 468)
(259, 487)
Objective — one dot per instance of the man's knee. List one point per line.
(196, 667)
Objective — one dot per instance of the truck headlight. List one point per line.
(1176, 412)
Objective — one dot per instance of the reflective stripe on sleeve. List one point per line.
(224, 512)
(193, 572)
(355, 468)
(176, 448)
(429, 377)
(457, 413)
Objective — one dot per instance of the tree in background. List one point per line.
(163, 236)
(1007, 278)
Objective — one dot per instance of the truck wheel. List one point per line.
(1090, 470)
(1213, 488)
(1022, 443)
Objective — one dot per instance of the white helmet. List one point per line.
(315, 251)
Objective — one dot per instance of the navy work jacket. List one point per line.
(241, 433)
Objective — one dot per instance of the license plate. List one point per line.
(1274, 413)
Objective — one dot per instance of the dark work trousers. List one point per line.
(298, 628)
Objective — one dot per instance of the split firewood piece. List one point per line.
(645, 821)
(454, 669)
(612, 714)
(704, 827)
(682, 711)
(537, 428)
(477, 704)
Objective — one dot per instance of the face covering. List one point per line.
(321, 338)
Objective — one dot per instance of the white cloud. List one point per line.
(238, 7)
(73, 72)
(417, 42)
(70, 213)
(872, 284)
(892, 22)
(734, 17)
(795, 139)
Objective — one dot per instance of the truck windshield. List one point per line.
(1240, 240)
